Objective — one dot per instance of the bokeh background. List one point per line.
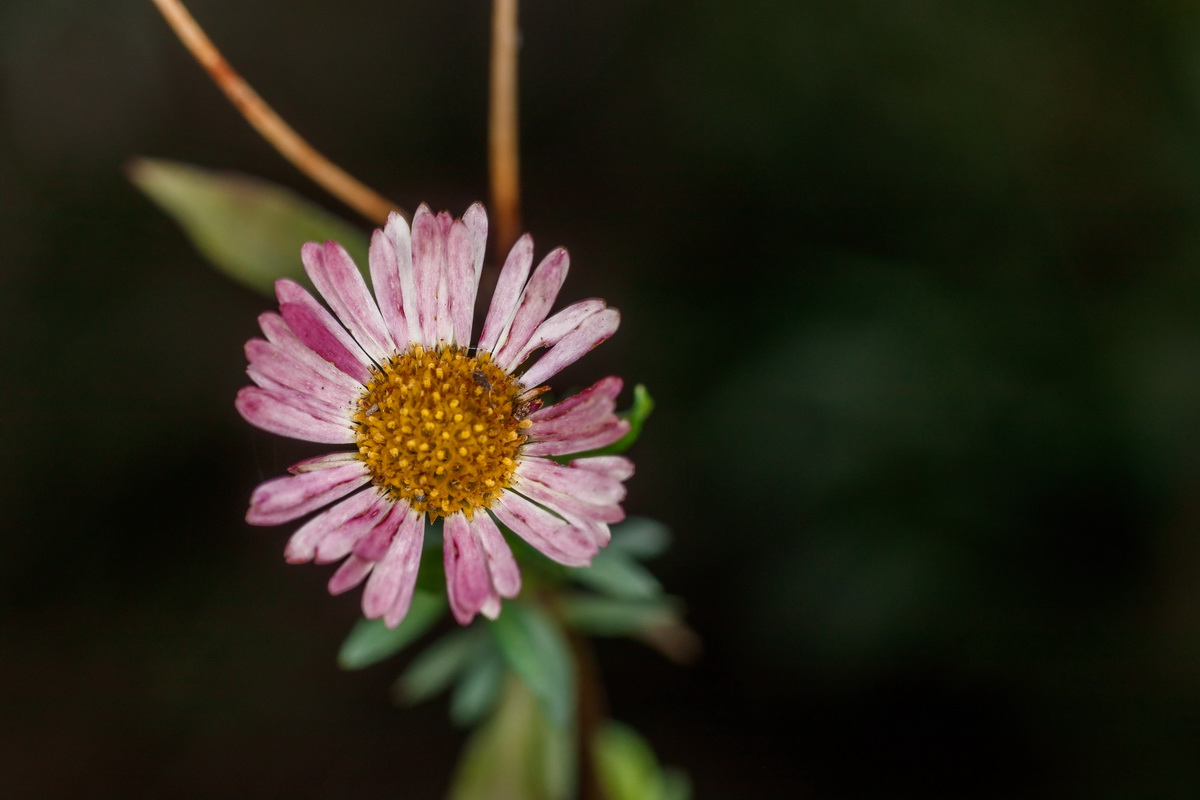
(914, 283)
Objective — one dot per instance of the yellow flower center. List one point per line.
(441, 430)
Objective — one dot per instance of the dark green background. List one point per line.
(914, 283)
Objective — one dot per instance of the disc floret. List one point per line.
(439, 429)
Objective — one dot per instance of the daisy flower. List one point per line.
(440, 429)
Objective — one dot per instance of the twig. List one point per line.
(503, 138)
(270, 125)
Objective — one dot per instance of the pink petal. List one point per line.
(385, 277)
(389, 589)
(572, 442)
(460, 281)
(327, 461)
(585, 484)
(552, 535)
(280, 335)
(535, 304)
(508, 291)
(616, 467)
(609, 388)
(304, 543)
(349, 574)
(561, 503)
(594, 529)
(289, 416)
(292, 496)
(428, 255)
(506, 575)
(594, 330)
(341, 541)
(271, 364)
(491, 606)
(374, 545)
(338, 280)
(398, 233)
(467, 582)
(477, 224)
(579, 423)
(317, 328)
(554, 329)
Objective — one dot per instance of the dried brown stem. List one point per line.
(503, 137)
(270, 125)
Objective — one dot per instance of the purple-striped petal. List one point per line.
(349, 574)
(389, 590)
(477, 224)
(327, 461)
(317, 328)
(385, 277)
(289, 416)
(594, 330)
(552, 535)
(290, 497)
(563, 504)
(587, 485)
(467, 581)
(571, 442)
(508, 290)
(460, 281)
(506, 575)
(594, 529)
(356, 511)
(375, 544)
(428, 255)
(604, 390)
(378, 523)
(271, 364)
(400, 236)
(551, 331)
(278, 333)
(338, 280)
(536, 300)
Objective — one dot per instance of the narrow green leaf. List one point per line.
(606, 616)
(478, 689)
(518, 755)
(249, 228)
(370, 641)
(626, 764)
(640, 537)
(617, 575)
(537, 652)
(437, 666)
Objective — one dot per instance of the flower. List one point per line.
(441, 429)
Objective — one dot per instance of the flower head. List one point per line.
(440, 429)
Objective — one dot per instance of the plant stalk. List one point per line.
(270, 125)
(503, 127)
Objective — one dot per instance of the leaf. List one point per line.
(518, 755)
(617, 575)
(438, 665)
(640, 537)
(605, 616)
(537, 652)
(478, 689)
(629, 770)
(371, 641)
(249, 228)
(643, 404)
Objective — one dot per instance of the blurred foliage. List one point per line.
(250, 229)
